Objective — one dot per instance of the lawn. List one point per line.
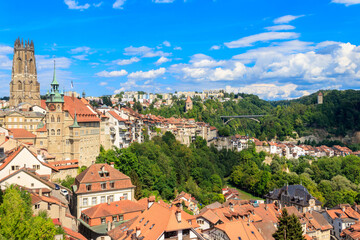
(244, 195)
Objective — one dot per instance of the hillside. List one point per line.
(339, 115)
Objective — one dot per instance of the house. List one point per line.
(188, 201)
(100, 183)
(158, 222)
(230, 193)
(293, 195)
(341, 217)
(22, 157)
(351, 233)
(23, 135)
(234, 231)
(95, 221)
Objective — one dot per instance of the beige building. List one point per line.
(24, 86)
(73, 128)
(20, 119)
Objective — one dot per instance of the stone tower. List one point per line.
(320, 98)
(24, 86)
(188, 104)
(55, 119)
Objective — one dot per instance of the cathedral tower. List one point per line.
(24, 86)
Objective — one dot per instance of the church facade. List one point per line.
(24, 87)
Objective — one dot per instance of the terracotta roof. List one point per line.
(43, 129)
(32, 174)
(210, 216)
(116, 116)
(73, 234)
(240, 230)
(83, 113)
(43, 103)
(21, 133)
(114, 208)
(188, 100)
(35, 198)
(152, 223)
(92, 175)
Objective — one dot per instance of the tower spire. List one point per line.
(54, 82)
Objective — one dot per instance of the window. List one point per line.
(88, 187)
(52, 119)
(114, 218)
(52, 132)
(58, 119)
(37, 206)
(103, 185)
(112, 184)
(102, 199)
(110, 198)
(66, 114)
(152, 226)
(32, 184)
(185, 232)
(121, 217)
(58, 132)
(125, 196)
(41, 143)
(85, 201)
(94, 202)
(49, 206)
(103, 220)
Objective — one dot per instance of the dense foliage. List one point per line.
(289, 228)
(331, 180)
(164, 166)
(339, 114)
(17, 220)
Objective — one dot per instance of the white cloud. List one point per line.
(280, 27)
(177, 48)
(97, 4)
(6, 49)
(286, 19)
(163, 1)
(167, 43)
(215, 47)
(162, 60)
(81, 57)
(5, 62)
(145, 52)
(270, 91)
(118, 4)
(72, 4)
(103, 83)
(112, 73)
(122, 62)
(261, 37)
(47, 62)
(77, 50)
(148, 75)
(347, 2)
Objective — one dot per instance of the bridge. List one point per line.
(252, 117)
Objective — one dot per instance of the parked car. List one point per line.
(57, 187)
(64, 192)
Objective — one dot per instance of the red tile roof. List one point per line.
(116, 116)
(73, 235)
(114, 208)
(43, 129)
(83, 113)
(21, 133)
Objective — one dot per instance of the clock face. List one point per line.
(52, 107)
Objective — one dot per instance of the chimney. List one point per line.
(151, 201)
(40, 192)
(108, 201)
(138, 231)
(266, 207)
(109, 225)
(112, 164)
(178, 215)
(248, 223)
(231, 206)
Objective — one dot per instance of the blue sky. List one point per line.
(277, 49)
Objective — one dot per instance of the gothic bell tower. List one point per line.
(55, 119)
(24, 86)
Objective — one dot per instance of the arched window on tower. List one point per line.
(52, 132)
(58, 119)
(19, 85)
(58, 132)
(52, 119)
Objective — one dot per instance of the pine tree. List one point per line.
(289, 228)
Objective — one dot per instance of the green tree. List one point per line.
(289, 227)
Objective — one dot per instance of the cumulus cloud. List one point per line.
(270, 91)
(177, 48)
(5, 61)
(118, 4)
(261, 37)
(347, 2)
(122, 62)
(148, 75)
(145, 52)
(72, 4)
(112, 73)
(47, 62)
(286, 19)
(6, 49)
(77, 50)
(103, 83)
(215, 47)
(280, 27)
(167, 44)
(162, 60)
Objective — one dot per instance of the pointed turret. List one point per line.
(75, 124)
(55, 95)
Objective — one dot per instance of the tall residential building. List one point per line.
(24, 86)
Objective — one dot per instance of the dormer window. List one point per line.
(88, 187)
(103, 185)
(112, 184)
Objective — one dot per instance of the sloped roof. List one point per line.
(83, 113)
(114, 208)
(188, 100)
(21, 133)
(32, 174)
(116, 116)
(240, 230)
